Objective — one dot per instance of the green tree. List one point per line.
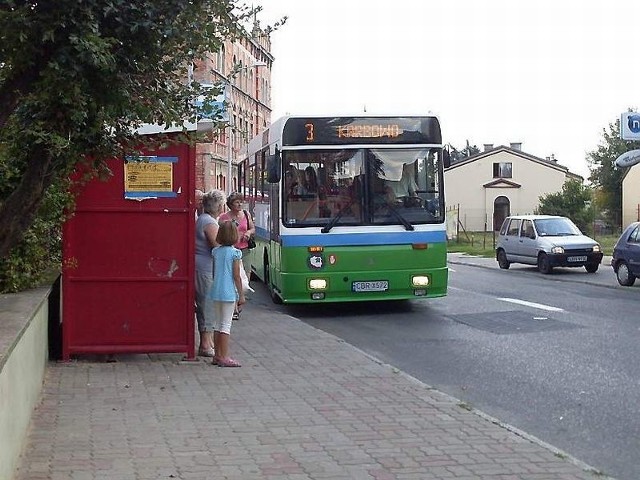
(468, 151)
(77, 78)
(604, 176)
(572, 201)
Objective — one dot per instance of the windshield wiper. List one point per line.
(399, 216)
(404, 221)
(338, 216)
(407, 225)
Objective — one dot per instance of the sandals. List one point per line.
(225, 362)
(206, 352)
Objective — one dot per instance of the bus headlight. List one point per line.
(318, 284)
(420, 281)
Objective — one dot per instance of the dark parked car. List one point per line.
(626, 255)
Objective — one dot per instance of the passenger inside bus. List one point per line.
(310, 182)
(293, 181)
(302, 196)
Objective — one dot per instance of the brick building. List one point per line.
(248, 97)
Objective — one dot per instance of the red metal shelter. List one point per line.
(128, 259)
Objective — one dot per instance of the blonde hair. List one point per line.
(227, 233)
(213, 202)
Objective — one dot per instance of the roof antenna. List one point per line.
(364, 108)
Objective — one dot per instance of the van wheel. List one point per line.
(624, 276)
(591, 267)
(544, 265)
(502, 260)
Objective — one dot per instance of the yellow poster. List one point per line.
(148, 177)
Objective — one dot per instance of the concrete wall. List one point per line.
(631, 196)
(23, 360)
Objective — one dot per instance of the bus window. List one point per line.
(321, 185)
(405, 186)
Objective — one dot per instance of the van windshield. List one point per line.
(556, 227)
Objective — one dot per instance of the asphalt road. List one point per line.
(553, 355)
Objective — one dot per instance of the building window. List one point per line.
(220, 61)
(502, 170)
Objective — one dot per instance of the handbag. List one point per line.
(251, 243)
(245, 280)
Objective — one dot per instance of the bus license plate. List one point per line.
(581, 258)
(373, 286)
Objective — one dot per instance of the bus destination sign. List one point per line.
(364, 130)
(361, 130)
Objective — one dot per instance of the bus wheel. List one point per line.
(275, 298)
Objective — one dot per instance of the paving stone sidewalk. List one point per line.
(304, 405)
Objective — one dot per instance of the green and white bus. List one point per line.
(348, 208)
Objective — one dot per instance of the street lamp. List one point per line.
(229, 89)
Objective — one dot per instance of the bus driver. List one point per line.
(406, 186)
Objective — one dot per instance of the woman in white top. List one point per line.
(206, 230)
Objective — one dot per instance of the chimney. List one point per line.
(488, 146)
(516, 146)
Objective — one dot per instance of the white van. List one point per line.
(546, 241)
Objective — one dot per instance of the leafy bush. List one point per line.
(573, 202)
(38, 256)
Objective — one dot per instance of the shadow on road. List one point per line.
(354, 309)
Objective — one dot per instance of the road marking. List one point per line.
(451, 269)
(531, 304)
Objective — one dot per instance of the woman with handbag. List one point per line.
(246, 230)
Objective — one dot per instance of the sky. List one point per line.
(550, 74)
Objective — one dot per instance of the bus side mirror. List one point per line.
(446, 158)
(273, 167)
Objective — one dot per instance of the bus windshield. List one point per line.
(364, 186)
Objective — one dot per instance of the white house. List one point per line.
(501, 181)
